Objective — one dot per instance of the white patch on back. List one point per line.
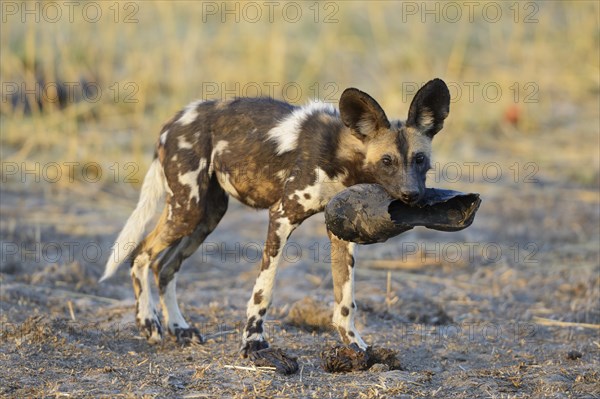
(190, 113)
(191, 179)
(285, 133)
(320, 192)
(219, 148)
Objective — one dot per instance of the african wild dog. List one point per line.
(294, 160)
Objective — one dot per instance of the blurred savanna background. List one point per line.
(86, 87)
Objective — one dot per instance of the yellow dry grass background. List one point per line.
(151, 58)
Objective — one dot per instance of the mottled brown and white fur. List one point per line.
(268, 154)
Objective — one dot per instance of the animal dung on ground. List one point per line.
(275, 357)
(346, 358)
(574, 355)
(367, 214)
(383, 356)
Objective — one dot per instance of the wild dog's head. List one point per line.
(397, 154)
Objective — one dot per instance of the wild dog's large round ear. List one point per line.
(429, 108)
(360, 112)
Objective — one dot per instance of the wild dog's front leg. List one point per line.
(280, 229)
(342, 269)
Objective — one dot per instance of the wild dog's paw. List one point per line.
(189, 335)
(251, 346)
(151, 329)
(277, 358)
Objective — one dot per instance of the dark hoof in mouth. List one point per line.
(366, 213)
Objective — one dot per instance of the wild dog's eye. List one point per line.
(386, 160)
(420, 158)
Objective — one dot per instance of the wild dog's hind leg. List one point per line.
(168, 266)
(146, 314)
(342, 269)
(280, 228)
(174, 224)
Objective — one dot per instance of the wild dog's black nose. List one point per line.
(410, 196)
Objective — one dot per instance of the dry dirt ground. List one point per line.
(507, 308)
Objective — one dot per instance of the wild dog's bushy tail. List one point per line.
(153, 190)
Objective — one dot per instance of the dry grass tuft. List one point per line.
(310, 315)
